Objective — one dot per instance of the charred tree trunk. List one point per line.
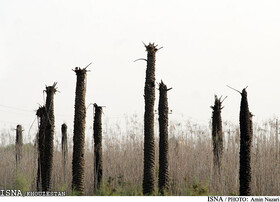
(78, 162)
(276, 139)
(18, 145)
(246, 133)
(97, 136)
(49, 136)
(277, 149)
(64, 149)
(37, 154)
(217, 139)
(41, 114)
(163, 176)
(149, 140)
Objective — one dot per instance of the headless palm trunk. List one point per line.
(18, 145)
(97, 135)
(217, 139)
(276, 139)
(49, 133)
(41, 112)
(37, 154)
(78, 162)
(64, 149)
(149, 140)
(246, 133)
(163, 176)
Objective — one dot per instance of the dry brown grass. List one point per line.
(190, 160)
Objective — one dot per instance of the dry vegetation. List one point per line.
(178, 157)
(190, 160)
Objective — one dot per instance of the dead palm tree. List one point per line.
(246, 133)
(41, 114)
(18, 144)
(149, 139)
(49, 136)
(78, 161)
(97, 136)
(217, 139)
(64, 148)
(163, 175)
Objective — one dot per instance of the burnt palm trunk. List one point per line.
(78, 162)
(41, 114)
(276, 139)
(149, 140)
(49, 136)
(18, 145)
(246, 133)
(64, 149)
(163, 176)
(37, 154)
(217, 139)
(97, 136)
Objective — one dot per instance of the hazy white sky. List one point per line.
(207, 45)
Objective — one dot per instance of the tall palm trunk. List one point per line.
(78, 162)
(163, 175)
(97, 135)
(41, 114)
(49, 136)
(18, 145)
(149, 140)
(217, 140)
(64, 149)
(246, 133)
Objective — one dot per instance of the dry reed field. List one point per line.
(126, 98)
(158, 156)
(190, 160)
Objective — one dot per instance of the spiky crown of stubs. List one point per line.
(162, 86)
(50, 89)
(99, 108)
(217, 104)
(80, 71)
(151, 47)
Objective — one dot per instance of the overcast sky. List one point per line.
(206, 46)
